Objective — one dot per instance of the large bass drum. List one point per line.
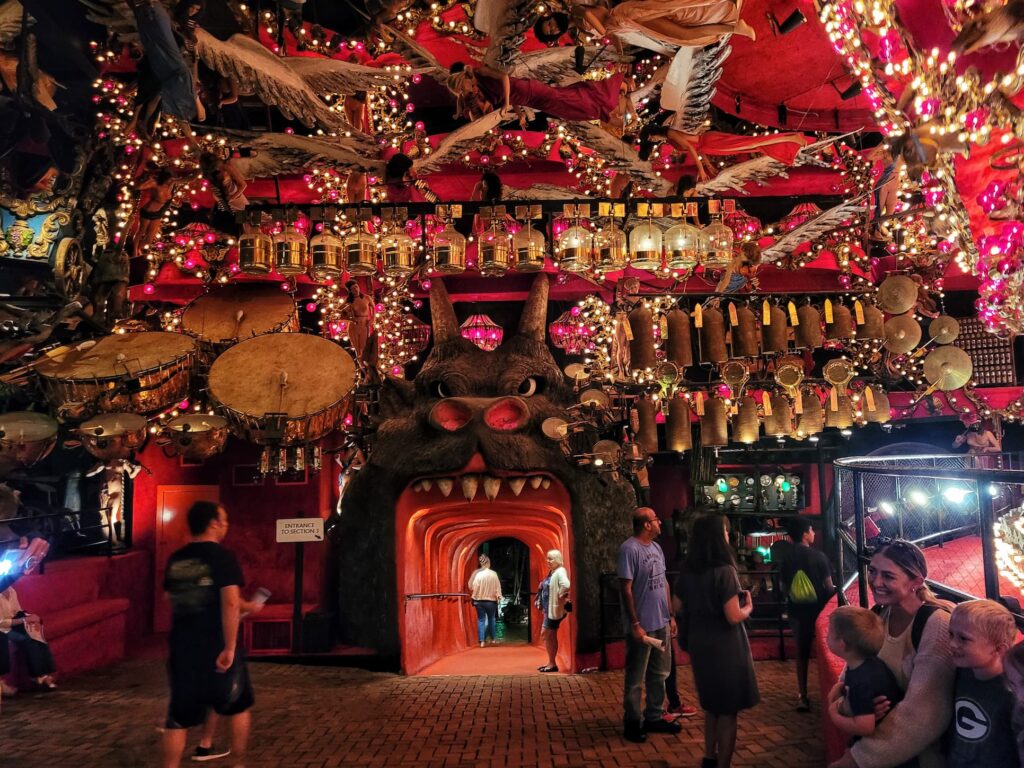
(143, 372)
(282, 389)
(226, 316)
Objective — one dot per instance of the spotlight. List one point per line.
(993, 490)
(918, 497)
(955, 494)
(887, 507)
(787, 25)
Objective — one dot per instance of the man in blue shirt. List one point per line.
(649, 627)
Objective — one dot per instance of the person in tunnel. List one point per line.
(485, 590)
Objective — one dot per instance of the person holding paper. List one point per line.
(649, 627)
(713, 609)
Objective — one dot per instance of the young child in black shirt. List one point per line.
(856, 635)
(981, 633)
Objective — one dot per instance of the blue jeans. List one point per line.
(177, 92)
(487, 619)
(646, 667)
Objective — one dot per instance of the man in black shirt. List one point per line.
(806, 579)
(203, 582)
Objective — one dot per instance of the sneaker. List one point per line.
(204, 754)
(634, 732)
(683, 710)
(661, 726)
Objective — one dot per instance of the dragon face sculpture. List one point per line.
(459, 458)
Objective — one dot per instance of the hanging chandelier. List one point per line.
(801, 213)
(482, 331)
(570, 332)
(415, 334)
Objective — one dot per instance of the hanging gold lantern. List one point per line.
(575, 249)
(645, 243)
(682, 243)
(719, 239)
(290, 251)
(399, 254)
(255, 253)
(528, 245)
(610, 248)
(482, 331)
(449, 251)
(326, 256)
(361, 253)
(494, 250)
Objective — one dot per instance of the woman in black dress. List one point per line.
(714, 608)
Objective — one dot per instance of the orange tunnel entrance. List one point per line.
(436, 550)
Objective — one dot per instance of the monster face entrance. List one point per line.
(440, 536)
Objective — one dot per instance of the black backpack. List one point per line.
(920, 619)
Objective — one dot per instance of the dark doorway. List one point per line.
(510, 559)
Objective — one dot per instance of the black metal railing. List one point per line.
(932, 501)
(66, 533)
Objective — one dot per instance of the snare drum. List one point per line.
(227, 315)
(141, 372)
(197, 436)
(282, 389)
(25, 438)
(113, 436)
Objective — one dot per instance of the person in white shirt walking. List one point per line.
(485, 589)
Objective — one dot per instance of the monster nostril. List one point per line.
(450, 415)
(507, 414)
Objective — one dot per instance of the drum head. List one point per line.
(197, 423)
(113, 425)
(26, 427)
(275, 373)
(555, 428)
(120, 355)
(237, 312)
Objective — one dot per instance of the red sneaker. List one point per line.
(683, 710)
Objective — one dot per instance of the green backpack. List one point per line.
(801, 590)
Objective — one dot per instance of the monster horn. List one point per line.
(532, 323)
(442, 314)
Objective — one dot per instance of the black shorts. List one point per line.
(197, 687)
(552, 624)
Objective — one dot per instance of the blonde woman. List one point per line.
(553, 600)
(485, 589)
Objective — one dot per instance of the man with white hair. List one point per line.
(485, 589)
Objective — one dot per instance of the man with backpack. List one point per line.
(806, 579)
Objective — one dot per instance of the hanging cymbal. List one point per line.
(576, 371)
(897, 294)
(948, 368)
(594, 397)
(607, 451)
(944, 329)
(555, 428)
(902, 334)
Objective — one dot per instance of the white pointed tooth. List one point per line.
(516, 484)
(427, 484)
(469, 485)
(491, 487)
(445, 485)
(545, 483)
(417, 487)
(535, 481)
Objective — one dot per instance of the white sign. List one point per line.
(295, 529)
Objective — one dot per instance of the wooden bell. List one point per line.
(713, 423)
(874, 323)
(712, 337)
(875, 406)
(812, 420)
(842, 416)
(773, 333)
(744, 333)
(678, 431)
(841, 327)
(780, 422)
(808, 332)
(678, 345)
(641, 347)
(745, 424)
(647, 432)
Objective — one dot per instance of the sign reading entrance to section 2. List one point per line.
(294, 529)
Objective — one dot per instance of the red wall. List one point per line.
(252, 509)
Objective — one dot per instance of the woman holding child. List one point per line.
(916, 649)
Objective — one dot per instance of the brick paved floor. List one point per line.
(315, 717)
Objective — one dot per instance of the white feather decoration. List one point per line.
(812, 229)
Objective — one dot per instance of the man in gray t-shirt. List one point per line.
(649, 623)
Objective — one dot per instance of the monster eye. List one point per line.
(529, 386)
(440, 389)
